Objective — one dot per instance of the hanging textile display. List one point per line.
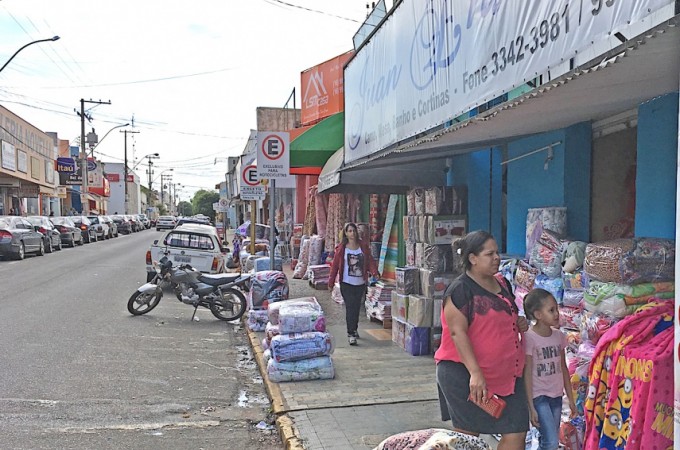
(387, 266)
(374, 217)
(630, 393)
(321, 205)
(309, 226)
(335, 220)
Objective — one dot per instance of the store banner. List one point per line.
(433, 60)
(322, 89)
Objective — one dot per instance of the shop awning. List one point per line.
(313, 147)
(640, 69)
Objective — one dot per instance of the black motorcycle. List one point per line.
(220, 293)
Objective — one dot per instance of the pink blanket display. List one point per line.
(548, 253)
(548, 218)
(297, 346)
(320, 368)
(308, 302)
(300, 318)
(630, 394)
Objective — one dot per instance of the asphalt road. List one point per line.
(77, 371)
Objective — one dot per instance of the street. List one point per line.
(79, 372)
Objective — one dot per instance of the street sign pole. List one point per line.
(253, 204)
(272, 222)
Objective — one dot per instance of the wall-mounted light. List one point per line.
(548, 158)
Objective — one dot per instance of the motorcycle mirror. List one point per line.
(155, 242)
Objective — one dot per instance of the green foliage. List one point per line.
(185, 208)
(203, 201)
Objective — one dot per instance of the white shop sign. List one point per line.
(433, 60)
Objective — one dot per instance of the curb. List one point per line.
(285, 425)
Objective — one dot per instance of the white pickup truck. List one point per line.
(194, 244)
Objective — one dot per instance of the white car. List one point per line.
(198, 245)
(165, 222)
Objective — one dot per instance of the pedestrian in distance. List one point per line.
(354, 263)
(480, 361)
(546, 376)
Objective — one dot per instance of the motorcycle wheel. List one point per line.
(143, 302)
(230, 306)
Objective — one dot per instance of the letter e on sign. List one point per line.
(250, 176)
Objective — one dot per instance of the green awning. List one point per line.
(313, 147)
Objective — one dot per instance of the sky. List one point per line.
(190, 73)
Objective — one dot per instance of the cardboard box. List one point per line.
(419, 312)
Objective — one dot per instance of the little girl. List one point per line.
(545, 371)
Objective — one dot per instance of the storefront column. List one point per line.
(544, 179)
(657, 152)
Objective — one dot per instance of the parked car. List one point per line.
(51, 236)
(69, 232)
(195, 220)
(101, 227)
(122, 223)
(198, 245)
(165, 223)
(18, 237)
(145, 221)
(113, 228)
(86, 228)
(137, 222)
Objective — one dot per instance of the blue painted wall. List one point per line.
(564, 182)
(657, 155)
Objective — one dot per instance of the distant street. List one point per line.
(78, 371)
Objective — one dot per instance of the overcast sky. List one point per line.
(191, 73)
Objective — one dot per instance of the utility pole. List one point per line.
(125, 169)
(85, 201)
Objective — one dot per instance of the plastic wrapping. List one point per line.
(419, 195)
(548, 218)
(507, 268)
(297, 346)
(574, 255)
(336, 295)
(398, 332)
(411, 203)
(575, 281)
(602, 259)
(270, 331)
(416, 340)
(441, 283)
(307, 369)
(433, 258)
(650, 260)
(552, 285)
(423, 235)
(399, 305)
(410, 253)
(315, 250)
(419, 313)
(594, 325)
(570, 317)
(257, 319)
(407, 280)
(548, 253)
(619, 300)
(525, 275)
(267, 287)
(573, 298)
(306, 302)
(427, 283)
(262, 263)
(300, 318)
(419, 254)
(433, 201)
(437, 306)
(303, 260)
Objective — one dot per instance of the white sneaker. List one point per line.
(352, 340)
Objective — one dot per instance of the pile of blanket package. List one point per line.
(616, 306)
(310, 265)
(379, 303)
(297, 346)
(416, 299)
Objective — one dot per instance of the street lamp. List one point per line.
(150, 156)
(107, 133)
(55, 38)
(162, 186)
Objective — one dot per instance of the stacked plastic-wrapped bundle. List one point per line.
(379, 302)
(315, 250)
(262, 263)
(267, 287)
(318, 275)
(302, 349)
(303, 260)
(540, 219)
(257, 319)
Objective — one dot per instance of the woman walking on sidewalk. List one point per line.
(354, 263)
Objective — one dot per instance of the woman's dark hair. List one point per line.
(471, 243)
(345, 228)
(534, 300)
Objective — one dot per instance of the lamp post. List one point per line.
(162, 186)
(54, 38)
(107, 133)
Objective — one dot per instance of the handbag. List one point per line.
(493, 406)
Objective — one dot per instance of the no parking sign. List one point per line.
(273, 154)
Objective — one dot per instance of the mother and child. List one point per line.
(489, 357)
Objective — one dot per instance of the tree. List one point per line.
(202, 203)
(185, 208)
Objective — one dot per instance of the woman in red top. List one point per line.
(353, 261)
(481, 354)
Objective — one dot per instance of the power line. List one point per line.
(310, 10)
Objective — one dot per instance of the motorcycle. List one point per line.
(220, 293)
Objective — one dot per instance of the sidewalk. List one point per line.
(379, 390)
